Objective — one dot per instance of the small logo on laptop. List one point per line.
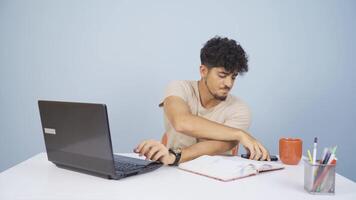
(50, 131)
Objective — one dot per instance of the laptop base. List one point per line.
(79, 170)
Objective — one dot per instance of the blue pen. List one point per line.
(327, 157)
(329, 154)
(324, 154)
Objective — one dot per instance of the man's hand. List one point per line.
(156, 151)
(256, 150)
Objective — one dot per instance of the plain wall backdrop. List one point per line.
(301, 81)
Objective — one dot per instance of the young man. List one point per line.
(201, 117)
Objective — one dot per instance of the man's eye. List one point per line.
(222, 76)
(234, 77)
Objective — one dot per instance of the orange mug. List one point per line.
(290, 150)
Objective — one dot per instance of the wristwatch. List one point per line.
(177, 153)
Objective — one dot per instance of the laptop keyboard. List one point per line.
(125, 166)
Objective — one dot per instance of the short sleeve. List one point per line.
(239, 116)
(176, 88)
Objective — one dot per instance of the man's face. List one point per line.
(219, 82)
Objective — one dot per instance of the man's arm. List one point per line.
(155, 150)
(221, 138)
(179, 115)
(208, 147)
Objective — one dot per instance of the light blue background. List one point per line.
(301, 81)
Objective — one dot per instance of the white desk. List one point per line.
(38, 178)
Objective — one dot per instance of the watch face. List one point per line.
(178, 151)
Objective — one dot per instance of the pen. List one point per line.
(310, 158)
(331, 159)
(330, 155)
(324, 154)
(327, 158)
(322, 175)
(314, 149)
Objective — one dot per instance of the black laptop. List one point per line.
(77, 137)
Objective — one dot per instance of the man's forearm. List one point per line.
(200, 127)
(180, 117)
(208, 147)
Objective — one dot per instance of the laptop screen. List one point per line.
(77, 135)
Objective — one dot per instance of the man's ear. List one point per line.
(204, 71)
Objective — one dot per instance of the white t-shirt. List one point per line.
(232, 112)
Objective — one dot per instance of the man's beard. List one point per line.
(220, 98)
(217, 97)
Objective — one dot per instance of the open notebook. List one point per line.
(225, 168)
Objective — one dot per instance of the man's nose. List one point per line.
(229, 82)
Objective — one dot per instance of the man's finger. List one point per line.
(158, 155)
(265, 152)
(252, 152)
(146, 147)
(140, 146)
(258, 152)
(152, 151)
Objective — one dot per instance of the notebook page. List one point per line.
(260, 165)
(219, 167)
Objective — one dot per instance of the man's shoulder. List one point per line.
(237, 102)
(182, 82)
(183, 85)
(181, 88)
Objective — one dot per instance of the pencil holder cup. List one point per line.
(319, 178)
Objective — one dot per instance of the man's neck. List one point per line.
(207, 100)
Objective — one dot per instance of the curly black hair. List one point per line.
(224, 52)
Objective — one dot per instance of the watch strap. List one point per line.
(177, 154)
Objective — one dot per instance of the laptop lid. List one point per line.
(77, 135)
